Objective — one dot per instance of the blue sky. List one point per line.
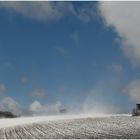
(65, 58)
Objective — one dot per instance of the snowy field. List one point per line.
(71, 126)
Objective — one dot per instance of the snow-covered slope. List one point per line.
(28, 120)
(71, 126)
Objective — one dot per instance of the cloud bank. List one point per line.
(38, 10)
(34, 109)
(38, 109)
(124, 18)
(48, 11)
(9, 104)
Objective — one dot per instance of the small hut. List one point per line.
(136, 110)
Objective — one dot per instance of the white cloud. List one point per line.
(38, 109)
(48, 10)
(38, 93)
(61, 50)
(75, 36)
(116, 68)
(24, 80)
(9, 104)
(2, 89)
(38, 10)
(124, 17)
(86, 12)
(133, 90)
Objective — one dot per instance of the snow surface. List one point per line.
(28, 120)
(82, 126)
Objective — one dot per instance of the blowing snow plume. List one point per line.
(96, 104)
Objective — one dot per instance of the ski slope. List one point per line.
(71, 126)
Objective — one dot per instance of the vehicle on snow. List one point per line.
(136, 110)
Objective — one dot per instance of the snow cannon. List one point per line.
(136, 110)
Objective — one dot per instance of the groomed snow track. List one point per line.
(102, 127)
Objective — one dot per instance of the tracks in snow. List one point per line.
(108, 127)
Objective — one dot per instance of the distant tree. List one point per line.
(6, 114)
